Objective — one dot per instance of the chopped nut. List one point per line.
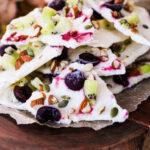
(128, 7)
(102, 110)
(36, 102)
(96, 24)
(114, 112)
(116, 64)
(52, 100)
(104, 55)
(54, 65)
(116, 14)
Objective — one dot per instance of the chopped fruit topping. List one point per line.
(144, 69)
(39, 101)
(78, 37)
(57, 4)
(114, 6)
(8, 61)
(19, 63)
(48, 13)
(116, 64)
(124, 23)
(48, 28)
(114, 112)
(85, 107)
(63, 103)
(75, 80)
(121, 80)
(52, 100)
(86, 58)
(46, 113)
(133, 19)
(23, 93)
(91, 89)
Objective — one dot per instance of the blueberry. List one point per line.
(3, 47)
(113, 7)
(86, 58)
(22, 94)
(47, 113)
(121, 80)
(75, 80)
(57, 4)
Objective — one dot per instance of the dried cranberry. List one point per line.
(47, 113)
(121, 80)
(75, 80)
(113, 7)
(22, 94)
(86, 58)
(57, 4)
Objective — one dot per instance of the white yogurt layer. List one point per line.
(132, 52)
(11, 76)
(142, 37)
(84, 35)
(104, 68)
(105, 38)
(101, 110)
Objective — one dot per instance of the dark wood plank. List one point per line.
(126, 136)
(142, 114)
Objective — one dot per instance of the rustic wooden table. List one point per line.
(127, 136)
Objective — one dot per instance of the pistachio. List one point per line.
(88, 26)
(96, 24)
(52, 100)
(63, 103)
(39, 101)
(65, 97)
(46, 87)
(54, 65)
(114, 112)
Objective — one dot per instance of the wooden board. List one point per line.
(126, 136)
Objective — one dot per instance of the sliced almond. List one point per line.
(52, 100)
(39, 101)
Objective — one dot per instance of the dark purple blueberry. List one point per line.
(47, 113)
(22, 94)
(113, 7)
(75, 80)
(86, 58)
(57, 4)
(3, 47)
(121, 80)
(64, 55)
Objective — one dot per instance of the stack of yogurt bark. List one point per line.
(63, 63)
